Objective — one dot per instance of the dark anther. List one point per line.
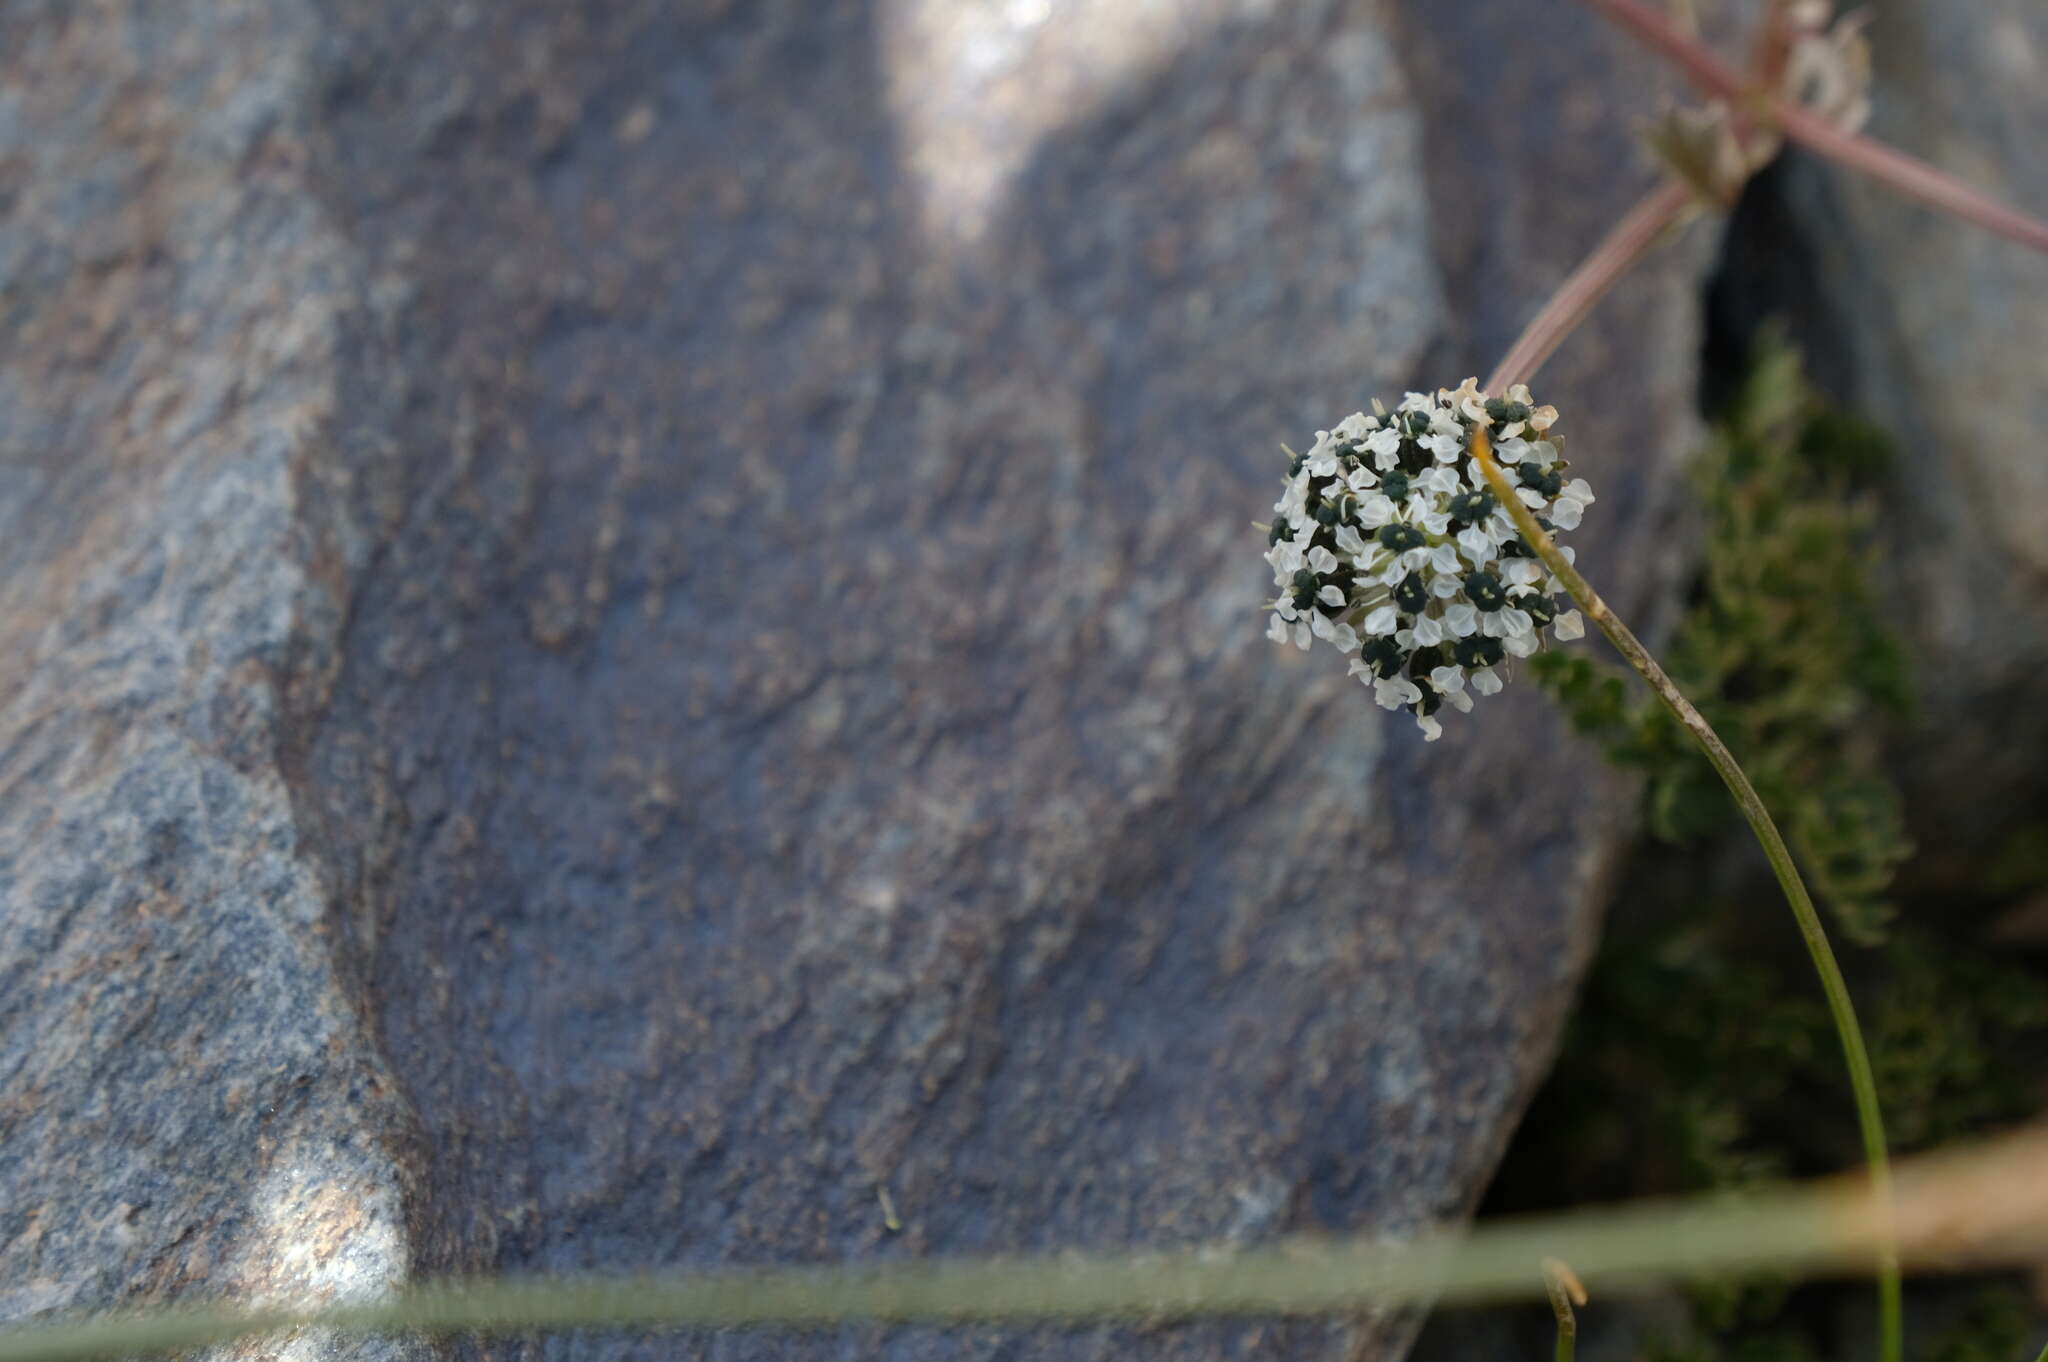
(1384, 656)
(1484, 590)
(1478, 651)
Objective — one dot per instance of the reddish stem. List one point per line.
(1624, 244)
(1909, 176)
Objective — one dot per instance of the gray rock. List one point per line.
(1937, 329)
(630, 629)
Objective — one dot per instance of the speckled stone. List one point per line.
(628, 635)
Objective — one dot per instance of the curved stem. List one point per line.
(1618, 250)
(1861, 1079)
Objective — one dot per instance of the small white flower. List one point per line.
(1396, 691)
(1375, 510)
(1385, 442)
(1446, 448)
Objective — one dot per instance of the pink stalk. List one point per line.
(1909, 176)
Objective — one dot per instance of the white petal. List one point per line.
(1332, 597)
(1444, 558)
(1350, 540)
(1566, 513)
(1581, 491)
(1302, 637)
(1531, 498)
(1542, 451)
(1428, 631)
(1522, 572)
(1345, 637)
(1319, 624)
(1395, 691)
(1445, 585)
(1570, 625)
(1477, 545)
(1321, 465)
(1461, 619)
(1519, 645)
(1284, 607)
(1276, 629)
(1384, 441)
(1375, 510)
(1448, 680)
(1436, 522)
(1382, 621)
(1321, 560)
(1431, 729)
(1460, 701)
(1517, 623)
(1486, 681)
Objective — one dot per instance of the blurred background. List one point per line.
(630, 637)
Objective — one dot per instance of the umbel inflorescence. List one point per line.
(1388, 545)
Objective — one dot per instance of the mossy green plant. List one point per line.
(1785, 649)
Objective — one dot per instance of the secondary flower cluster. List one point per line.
(1388, 545)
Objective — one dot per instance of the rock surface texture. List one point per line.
(626, 627)
(1939, 330)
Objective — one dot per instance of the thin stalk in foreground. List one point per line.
(1984, 1207)
(1618, 250)
(1864, 1083)
(1912, 177)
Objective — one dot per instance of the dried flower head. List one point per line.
(1388, 546)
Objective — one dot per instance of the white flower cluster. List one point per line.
(1388, 545)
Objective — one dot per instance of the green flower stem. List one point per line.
(1564, 1289)
(1861, 1079)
